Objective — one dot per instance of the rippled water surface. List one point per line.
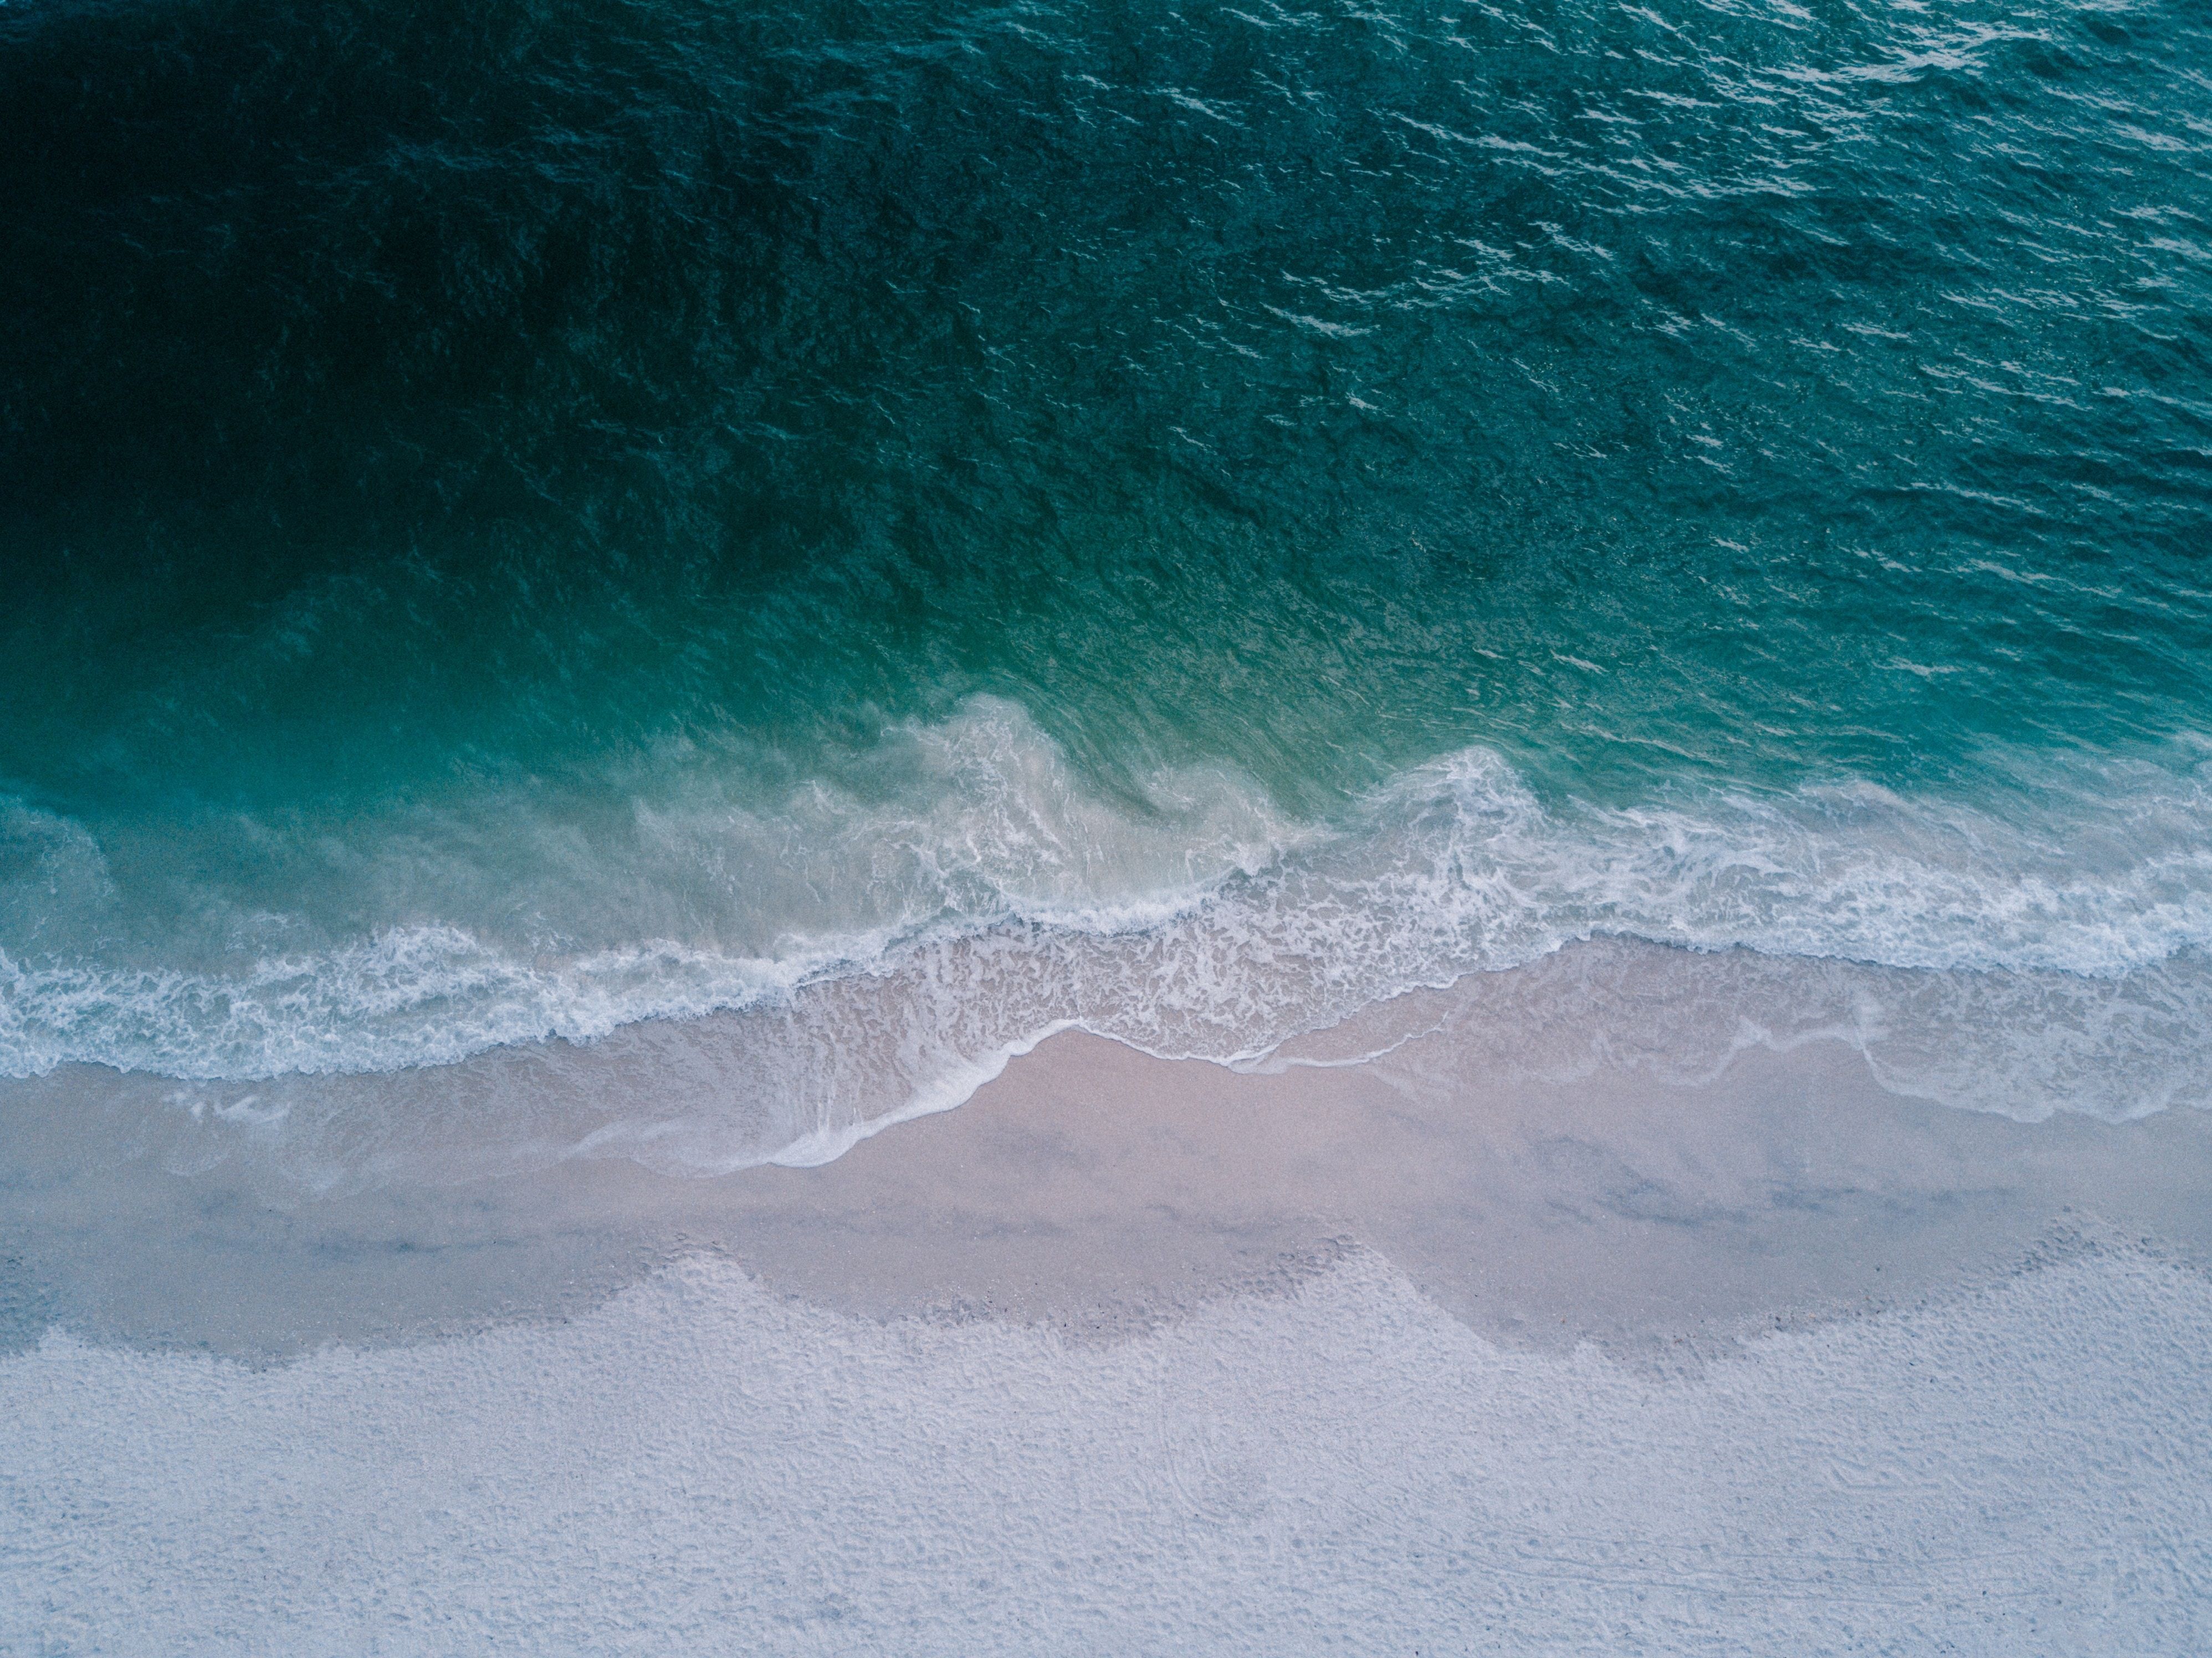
(522, 518)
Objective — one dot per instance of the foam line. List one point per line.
(991, 895)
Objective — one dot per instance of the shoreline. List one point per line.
(1104, 1191)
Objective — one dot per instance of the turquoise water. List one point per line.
(522, 518)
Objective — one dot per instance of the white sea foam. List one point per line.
(891, 933)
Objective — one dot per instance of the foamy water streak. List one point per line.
(800, 1079)
(895, 946)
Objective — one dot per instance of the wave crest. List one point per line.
(960, 891)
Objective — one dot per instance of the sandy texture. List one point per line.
(701, 1466)
(1432, 1353)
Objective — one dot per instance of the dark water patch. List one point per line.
(783, 365)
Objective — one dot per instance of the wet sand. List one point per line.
(1101, 1190)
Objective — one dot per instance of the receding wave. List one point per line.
(886, 939)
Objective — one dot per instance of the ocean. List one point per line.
(832, 541)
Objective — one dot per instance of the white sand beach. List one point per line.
(1130, 1356)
